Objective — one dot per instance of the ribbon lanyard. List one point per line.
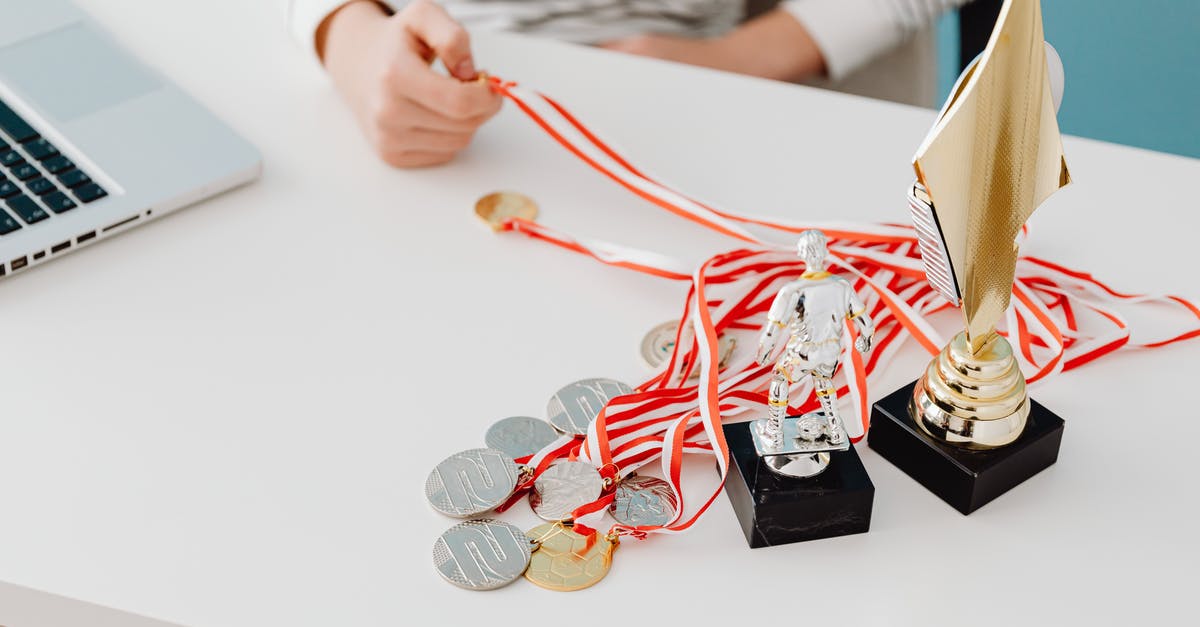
(1060, 319)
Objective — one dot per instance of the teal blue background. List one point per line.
(1132, 69)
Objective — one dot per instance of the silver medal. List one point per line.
(564, 487)
(471, 482)
(520, 436)
(641, 500)
(576, 405)
(482, 554)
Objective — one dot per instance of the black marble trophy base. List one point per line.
(965, 479)
(776, 509)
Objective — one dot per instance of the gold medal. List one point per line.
(497, 206)
(566, 560)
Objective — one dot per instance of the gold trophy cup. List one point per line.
(993, 155)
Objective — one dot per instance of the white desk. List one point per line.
(226, 417)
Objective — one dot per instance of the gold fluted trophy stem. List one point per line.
(992, 157)
(973, 399)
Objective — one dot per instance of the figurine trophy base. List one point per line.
(991, 456)
(775, 507)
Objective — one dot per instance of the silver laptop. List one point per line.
(23, 607)
(93, 142)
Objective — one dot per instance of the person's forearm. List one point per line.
(774, 45)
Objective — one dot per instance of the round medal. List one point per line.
(576, 405)
(565, 560)
(482, 554)
(497, 206)
(659, 343)
(641, 500)
(471, 482)
(563, 488)
(520, 436)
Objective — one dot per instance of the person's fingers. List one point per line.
(430, 24)
(396, 112)
(448, 96)
(433, 29)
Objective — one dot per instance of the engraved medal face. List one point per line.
(564, 487)
(641, 500)
(520, 436)
(471, 482)
(659, 343)
(482, 554)
(497, 206)
(576, 405)
(566, 560)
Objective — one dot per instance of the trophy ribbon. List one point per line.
(1067, 292)
(666, 417)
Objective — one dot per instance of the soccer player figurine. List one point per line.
(811, 311)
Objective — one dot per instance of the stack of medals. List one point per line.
(526, 453)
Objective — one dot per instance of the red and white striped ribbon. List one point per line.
(668, 417)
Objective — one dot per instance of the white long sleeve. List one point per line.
(851, 33)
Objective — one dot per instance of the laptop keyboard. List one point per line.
(36, 181)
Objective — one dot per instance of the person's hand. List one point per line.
(412, 115)
(774, 45)
(862, 344)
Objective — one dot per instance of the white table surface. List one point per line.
(226, 417)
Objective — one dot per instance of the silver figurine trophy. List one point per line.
(811, 311)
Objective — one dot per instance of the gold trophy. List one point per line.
(993, 155)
